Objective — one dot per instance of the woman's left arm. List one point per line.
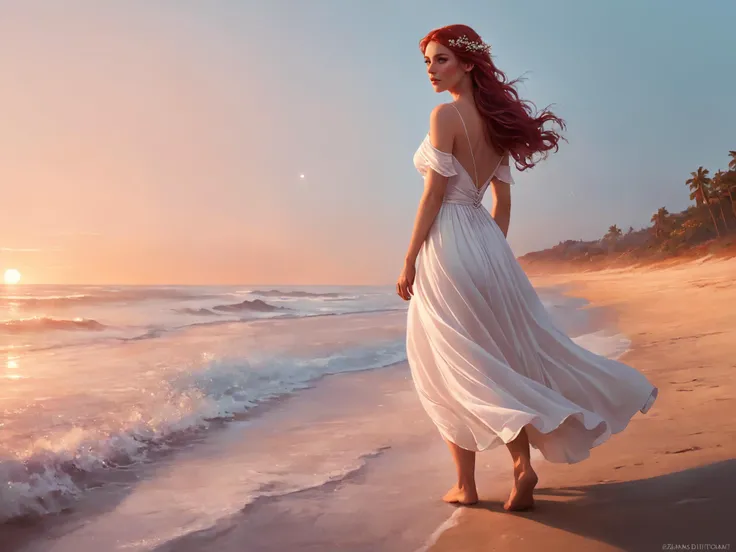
(441, 135)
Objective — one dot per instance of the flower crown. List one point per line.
(469, 45)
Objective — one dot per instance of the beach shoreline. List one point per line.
(342, 425)
(663, 467)
(668, 478)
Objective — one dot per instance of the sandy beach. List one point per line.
(667, 481)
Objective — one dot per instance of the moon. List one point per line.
(302, 176)
(12, 276)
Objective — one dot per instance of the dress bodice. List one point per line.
(460, 186)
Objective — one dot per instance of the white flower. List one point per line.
(469, 45)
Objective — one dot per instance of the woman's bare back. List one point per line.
(486, 157)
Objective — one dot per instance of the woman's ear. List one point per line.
(469, 67)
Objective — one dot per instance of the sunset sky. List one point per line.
(163, 142)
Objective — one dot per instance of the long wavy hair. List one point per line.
(512, 125)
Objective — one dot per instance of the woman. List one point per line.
(488, 363)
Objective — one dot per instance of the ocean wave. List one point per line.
(292, 315)
(257, 305)
(102, 296)
(144, 333)
(254, 306)
(39, 324)
(272, 486)
(51, 474)
(196, 312)
(298, 294)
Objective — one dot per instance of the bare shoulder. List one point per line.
(442, 126)
(443, 114)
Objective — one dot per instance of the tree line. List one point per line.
(712, 216)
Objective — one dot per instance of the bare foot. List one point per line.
(456, 495)
(522, 494)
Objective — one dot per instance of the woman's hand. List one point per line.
(405, 284)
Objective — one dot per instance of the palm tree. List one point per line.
(614, 233)
(698, 184)
(719, 192)
(659, 220)
(730, 180)
(729, 184)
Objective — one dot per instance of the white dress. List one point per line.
(486, 358)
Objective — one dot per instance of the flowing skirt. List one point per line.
(487, 359)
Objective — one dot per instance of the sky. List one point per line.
(164, 142)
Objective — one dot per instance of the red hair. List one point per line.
(512, 124)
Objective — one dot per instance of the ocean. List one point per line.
(146, 418)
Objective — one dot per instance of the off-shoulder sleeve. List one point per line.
(504, 174)
(428, 157)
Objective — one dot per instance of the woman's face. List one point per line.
(443, 67)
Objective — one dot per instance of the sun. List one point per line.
(12, 276)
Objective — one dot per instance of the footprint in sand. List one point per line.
(624, 465)
(688, 381)
(682, 450)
